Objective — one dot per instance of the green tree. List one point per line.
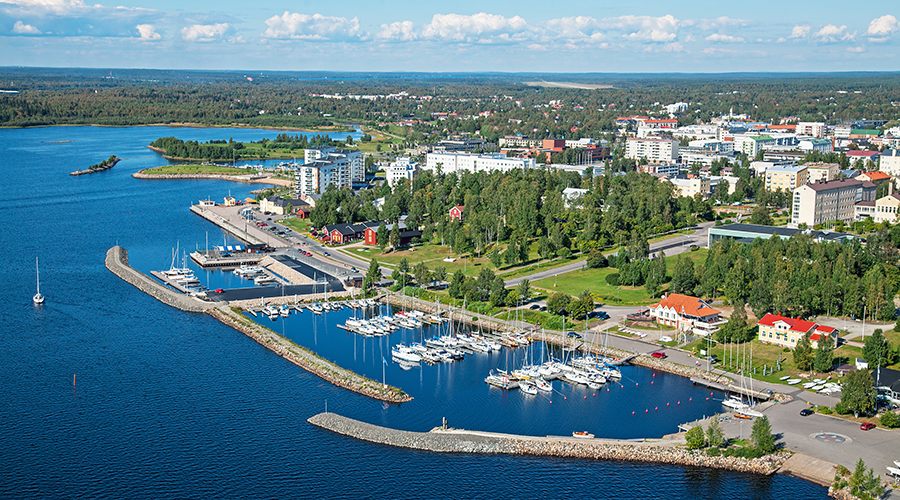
(761, 435)
(498, 292)
(824, 358)
(373, 274)
(890, 420)
(382, 236)
(760, 215)
(695, 438)
(596, 259)
(395, 236)
(440, 273)
(524, 289)
(457, 285)
(736, 329)
(545, 250)
(803, 353)
(877, 350)
(558, 302)
(714, 435)
(421, 273)
(858, 392)
(864, 483)
(496, 258)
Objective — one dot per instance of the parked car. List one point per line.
(658, 354)
(219, 290)
(543, 308)
(694, 248)
(535, 306)
(602, 315)
(806, 412)
(573, 334)
(326, 254)
(867, 426)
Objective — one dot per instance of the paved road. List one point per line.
(672, 246)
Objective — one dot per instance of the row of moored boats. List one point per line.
(592, 371)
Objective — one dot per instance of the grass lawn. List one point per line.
(195, 169)
(300, 225)
(573, 283)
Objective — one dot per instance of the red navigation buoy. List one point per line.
(636, 384)
(565, 398)
(551, 402)
(679, 402)
(654, 374)
(595, 394)
(710, 394)
(632, 413)
(690, 399)
(656, 409)
(585, 397)
(667, 404)
(646, 411)
(651, 382)
(707, 399)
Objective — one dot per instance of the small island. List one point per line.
(99, 167)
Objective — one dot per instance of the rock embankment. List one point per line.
(458, 441)
(249, 178)
(117, 262)
(307, 359)
(98, 168)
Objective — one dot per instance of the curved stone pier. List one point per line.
(461, 441)
(117, 262)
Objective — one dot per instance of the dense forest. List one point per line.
(221, 149)
(492, 105)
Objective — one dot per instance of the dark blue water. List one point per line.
(176, 405)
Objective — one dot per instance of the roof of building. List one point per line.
(757, 230)
(835, 184)
(877, 175)
(858, 131)
(797, 325)
(786, 169)
(887, 378)
(861, 153)
(686, 305)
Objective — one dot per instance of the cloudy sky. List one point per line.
(466, 35)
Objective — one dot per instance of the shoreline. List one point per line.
(445, 440)
(220, 177)
(181, 125)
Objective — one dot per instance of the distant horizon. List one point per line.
(574, 36)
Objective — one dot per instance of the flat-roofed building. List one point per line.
(747, 233)
(820, 171)
(889, 162)
(455, 162)
(691, 185)
(812, 129)
(654, 149)
(786, 178)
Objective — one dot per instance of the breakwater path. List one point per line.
(462, 441)
(308, 360)
(117, 262)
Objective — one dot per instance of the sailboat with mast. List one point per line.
(38, 298)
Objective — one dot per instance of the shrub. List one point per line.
(613, 279)
(890, 420)
(695, 438)
(713, 452)
(824, 410)
(842, 409)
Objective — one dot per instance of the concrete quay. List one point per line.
(446, 440)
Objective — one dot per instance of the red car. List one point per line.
(866, 426)
(658, 354)
(219, 290)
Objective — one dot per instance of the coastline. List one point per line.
(446, 440)
(219, 177)
(184, 125)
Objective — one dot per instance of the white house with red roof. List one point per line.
(457, 212)
(687, 314)
(784, 331)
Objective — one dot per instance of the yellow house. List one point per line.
(784, 331)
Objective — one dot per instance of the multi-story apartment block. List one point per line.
(692, 185)
(829, 201)
(889, 162)
(786, 178)
(326, 165)
(821, 171)
(399, 170)
(654, 149)
(455, 162)
(812, 129)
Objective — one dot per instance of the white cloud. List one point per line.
(882, 27)
(831, 33)
(481, 27)
(800, 31)
(21, 28)
(856, 49)
(148, 32)
(714, 24)
(205, 32)
(648, 28)
(311, 27)
(43, 6)
(718, 37)
(399, 30)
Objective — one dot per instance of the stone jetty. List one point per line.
(307, 359)
(96, 168)
(446, 440)
(117, 262)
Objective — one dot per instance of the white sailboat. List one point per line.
(38, 298)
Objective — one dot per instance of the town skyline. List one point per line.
(577, 37)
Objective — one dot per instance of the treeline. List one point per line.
(212, 150)
(517, 207)
(112, 160)
(799, 277)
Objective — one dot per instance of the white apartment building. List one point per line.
(704, 157)
(750, 145)
(328, 165)
(692, 186)
(726, 147)
(812, 129)
(668, 169)
(889, 162)
(826, 201)
(399, 170)
(654, 149)
(815, 145)
(455, 162)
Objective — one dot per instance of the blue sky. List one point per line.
(402, 35)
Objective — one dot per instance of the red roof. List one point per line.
(687, 305)
(877, 175)
(864, 154)
(797, 325)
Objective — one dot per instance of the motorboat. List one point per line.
(248, 271)
(271, 311)
(543, 385)
(583, 435)
(405, 353)
(529, 389)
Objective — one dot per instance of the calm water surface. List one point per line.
(167, 404)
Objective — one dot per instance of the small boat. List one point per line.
(38, 298)
(543, 385)
(793, 381)
(529, 389)
(741, 415)
(583, 435)
(271, 311)
(285, 310)
(785, 377)
(405, 353)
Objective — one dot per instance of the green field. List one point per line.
(195, 169)
(573, 283)
(301, 225)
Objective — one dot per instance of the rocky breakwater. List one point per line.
(461, 441)
(307, 359)
(117, 262)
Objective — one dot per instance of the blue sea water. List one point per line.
(107, 393)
